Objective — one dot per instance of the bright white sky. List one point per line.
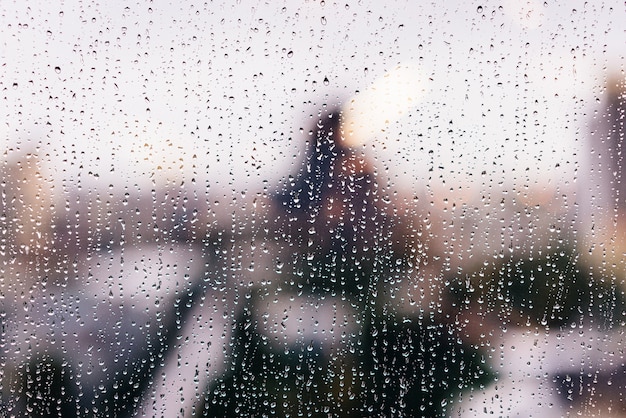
(126, 93)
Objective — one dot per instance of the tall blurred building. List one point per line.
(603, 221)
(27, 216)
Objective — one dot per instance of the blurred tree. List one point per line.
(341, 248)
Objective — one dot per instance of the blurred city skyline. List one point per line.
(185, 232)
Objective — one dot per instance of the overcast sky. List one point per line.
(223, 92)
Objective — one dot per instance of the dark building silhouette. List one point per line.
(339, 247)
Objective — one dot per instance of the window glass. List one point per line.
(312, 209)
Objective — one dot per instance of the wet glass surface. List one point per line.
(316, 209)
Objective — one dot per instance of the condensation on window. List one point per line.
(337, 209)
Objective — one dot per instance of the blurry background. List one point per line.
(134, 93)
(119, 97)
(129, 128)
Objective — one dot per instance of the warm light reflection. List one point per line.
(390, 97)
